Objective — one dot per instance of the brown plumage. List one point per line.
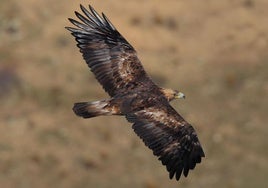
(115, 64)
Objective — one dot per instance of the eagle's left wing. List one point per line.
(170, 137)
(109, 56)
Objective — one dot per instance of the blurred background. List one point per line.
(213, 51)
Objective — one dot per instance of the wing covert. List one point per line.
(110, 57)
(170, 137)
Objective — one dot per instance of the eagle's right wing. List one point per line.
(170, 137)
(110, 57)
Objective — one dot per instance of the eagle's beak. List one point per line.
(180, 95)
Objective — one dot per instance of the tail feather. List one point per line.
(92, 109)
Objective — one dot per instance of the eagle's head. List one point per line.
(171, 94)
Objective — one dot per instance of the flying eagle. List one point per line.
(115, 64)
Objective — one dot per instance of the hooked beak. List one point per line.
(180, 95)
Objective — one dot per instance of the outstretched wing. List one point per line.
(110, 57)
(170, 137)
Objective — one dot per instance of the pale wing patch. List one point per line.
(125, 71)
(160, 116)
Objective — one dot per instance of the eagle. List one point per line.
(133, 94)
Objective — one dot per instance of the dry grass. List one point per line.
(214, 51)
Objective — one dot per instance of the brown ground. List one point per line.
(214, 51)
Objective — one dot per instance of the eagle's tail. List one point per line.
(92, 109)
